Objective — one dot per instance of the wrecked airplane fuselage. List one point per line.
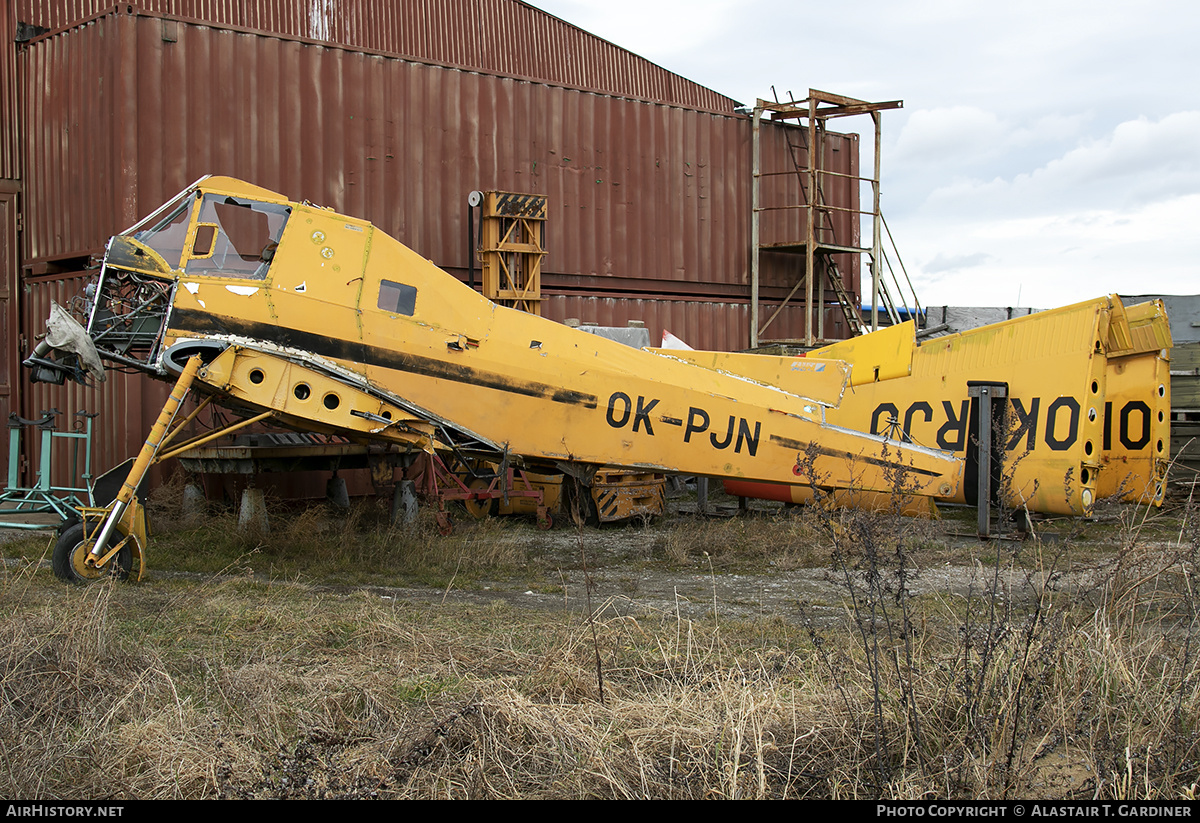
(328, 324)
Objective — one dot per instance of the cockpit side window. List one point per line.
(236, 237)
(168, 234)
(398, 298)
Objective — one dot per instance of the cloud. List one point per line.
(663, 31)
(1138, 163)
(1057, 259)
(938, 136)
(954, 262)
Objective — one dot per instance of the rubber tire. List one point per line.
(67, 559)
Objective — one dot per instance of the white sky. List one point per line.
(1047, 152)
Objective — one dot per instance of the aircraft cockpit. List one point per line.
(211, 234)
(207, 231)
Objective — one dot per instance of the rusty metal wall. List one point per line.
(9, 163)
(650, 203)
(643, 197)
(496, 36)
(9, 199)
(77, 107)
(10, 374)
(702, 324)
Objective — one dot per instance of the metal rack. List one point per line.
(43, 496)
(815, 238)
(512, 245)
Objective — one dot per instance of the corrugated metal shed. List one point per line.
(498, 36)
(644, 198)
(9, 197)
(10, 376)
(961, 318)
(9, 166)
(650, 200)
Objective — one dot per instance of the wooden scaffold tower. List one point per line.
(813, 235)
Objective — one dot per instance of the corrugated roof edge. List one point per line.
(126, 8)
(733, 104)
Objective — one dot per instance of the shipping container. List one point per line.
(644, 198)
(10, 327)
(9, 165)
(649, 185)
(497, 37)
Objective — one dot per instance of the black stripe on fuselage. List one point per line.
(356, 352)
(796, 445)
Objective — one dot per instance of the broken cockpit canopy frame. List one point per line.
(208, 233)
(204, 234)
(235, 237)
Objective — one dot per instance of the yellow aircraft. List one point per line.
(291, 313)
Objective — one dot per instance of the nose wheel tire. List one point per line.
(70, 556)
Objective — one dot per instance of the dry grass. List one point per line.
(262, 686)
(787, 539)
(242, 689)
(358, 546)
